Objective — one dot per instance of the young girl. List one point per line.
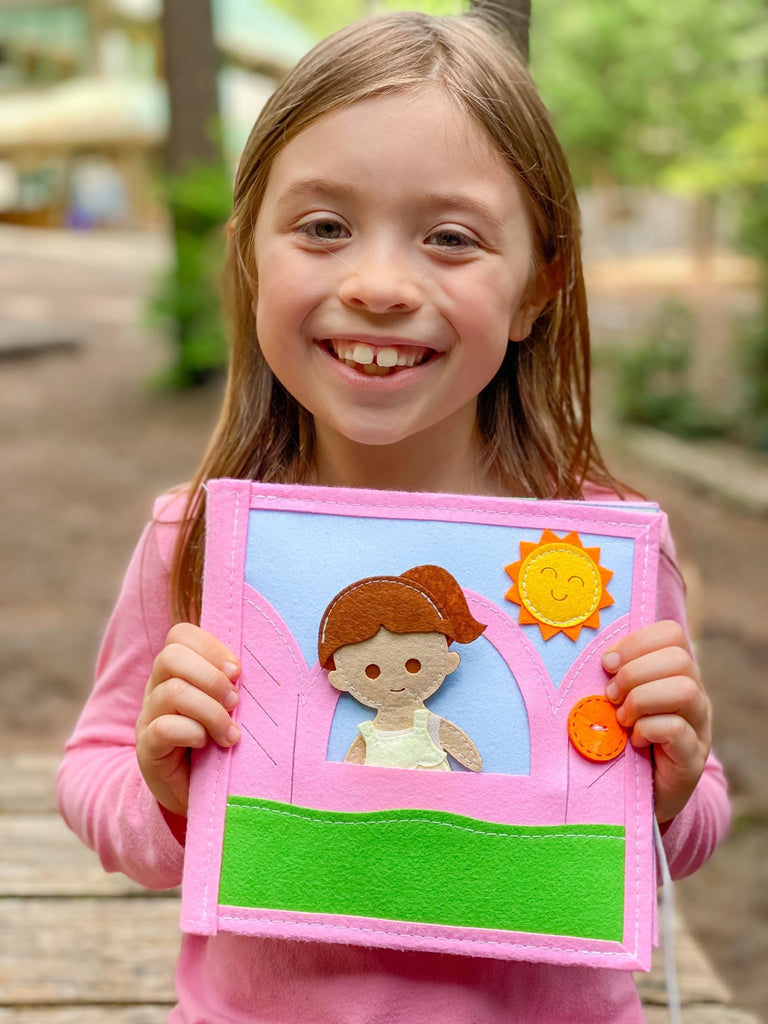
(409, 314)
(385, 640)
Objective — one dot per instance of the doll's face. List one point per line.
(393, 670)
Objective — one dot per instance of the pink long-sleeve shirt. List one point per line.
(229, 979)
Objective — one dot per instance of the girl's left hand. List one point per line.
(658, 693)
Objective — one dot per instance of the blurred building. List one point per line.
(83, 105)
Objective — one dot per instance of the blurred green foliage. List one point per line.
(322, 17)
(648, 92)
(653, 379)
(753, 348)
(188, 302)
(753, 425)
(673, 96)
(653, 383)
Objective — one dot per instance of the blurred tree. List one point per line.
(512, 15)
(643, 87)
(323, 18)
(191, 64)
(197, 190)
(672, 95)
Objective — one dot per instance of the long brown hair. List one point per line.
(534, 416)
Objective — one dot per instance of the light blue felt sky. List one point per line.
(300, 561)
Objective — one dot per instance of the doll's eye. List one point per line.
(372, 671)
(413, 665)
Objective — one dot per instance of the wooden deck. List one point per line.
(78, 946)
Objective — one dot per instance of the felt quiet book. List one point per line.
(427, 757)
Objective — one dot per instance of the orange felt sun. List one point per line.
(559, 585)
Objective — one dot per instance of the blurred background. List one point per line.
(121, 122)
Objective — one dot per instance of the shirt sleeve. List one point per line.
(102, 794)
(691, 837)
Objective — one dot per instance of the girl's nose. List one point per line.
(382, 285)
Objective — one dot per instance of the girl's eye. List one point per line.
(413, 665)
(452, 238)
(324, 230)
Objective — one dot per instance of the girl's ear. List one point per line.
(337, 680)
(452, 661)
(541, 290)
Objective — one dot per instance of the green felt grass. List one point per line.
(425, 866)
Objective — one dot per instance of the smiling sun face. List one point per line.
(559, 585)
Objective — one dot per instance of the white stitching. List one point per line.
(356, 586)
(338, 507)
(419, 821)
(299, 922)
(236, 492)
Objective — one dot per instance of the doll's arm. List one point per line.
(356, 752)
(455, 742)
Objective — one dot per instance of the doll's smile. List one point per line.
(378, 361)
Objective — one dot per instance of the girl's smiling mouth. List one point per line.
(377, 361)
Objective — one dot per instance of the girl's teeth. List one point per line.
(363, 354)
(387, 357)
(364, 357)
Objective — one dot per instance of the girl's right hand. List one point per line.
(188, 700)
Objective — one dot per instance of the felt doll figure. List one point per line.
(385, 640)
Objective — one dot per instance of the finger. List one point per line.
(666, 633)
(668, 662)
(679, 696)
(179, 698)
(678, 761)
(177, 661)
(679, 755)
(167, 734)
(206, 645)
(166, 768)
(677, 737)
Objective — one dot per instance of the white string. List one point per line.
(668, 930)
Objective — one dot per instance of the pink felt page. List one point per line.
(282, 681)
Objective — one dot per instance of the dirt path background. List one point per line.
(87, 444)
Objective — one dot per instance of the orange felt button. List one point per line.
(594, 730)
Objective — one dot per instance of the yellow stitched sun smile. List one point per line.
(559, 585)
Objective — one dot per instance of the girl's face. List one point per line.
(394, 262)
(393, 670)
